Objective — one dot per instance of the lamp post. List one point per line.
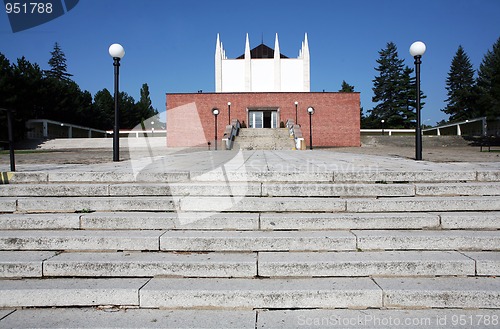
(310, 110)
(117, 52)
(417, 50)
(229, 112)
(215, 112)
(383, 122)
(296, 106)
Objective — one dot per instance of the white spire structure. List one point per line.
(264, 72)
(277, 65)
(218, 65)
(307, 64)
(248, 66)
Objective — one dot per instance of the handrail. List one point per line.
(11, 139)
(231, 132)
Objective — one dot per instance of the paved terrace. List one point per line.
(190, 160)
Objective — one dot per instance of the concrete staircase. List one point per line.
(260, 250)
(264, 139)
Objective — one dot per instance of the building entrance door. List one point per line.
(263, 118)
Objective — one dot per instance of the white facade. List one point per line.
(262, 74)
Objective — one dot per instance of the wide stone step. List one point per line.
(203, 241)
(350, 264)
(147, 264)
(242, 189)
(427, 240)
(58, 318)
(238, 293)
(258, 293)
(249, 204)
(249, 221)
(257, 241)
(19, 264)
(248, 174)
(80, 240)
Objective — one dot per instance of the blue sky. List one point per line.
(170, 44)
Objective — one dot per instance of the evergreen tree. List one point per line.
(6, 87)
(409, 92)
(460, 87)
(58, 65)
(27, 100)
(395, 91)
(104, 109)
(6, 93)
(129, 114)
(389, 88)
(346, 88)
(488, 83)
(144, 106)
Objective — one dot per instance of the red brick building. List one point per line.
(335, 122)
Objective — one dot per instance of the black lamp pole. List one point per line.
(116, 129)
(418, 131)
(116, 51)
(296, 118)
(229, 112)
(417, 50)
(215, 112)
(310, 110)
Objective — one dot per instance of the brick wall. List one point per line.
(336, 121)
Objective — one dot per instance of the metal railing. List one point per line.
(10, 140)
(296, 133)
(231, 133)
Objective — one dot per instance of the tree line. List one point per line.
(469, 97)
(51, 94)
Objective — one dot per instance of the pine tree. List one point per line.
(346, 88)
(395, 90)
(103, 109)
(488, 83)
(144, 105)
(6, 85)
(58, 65)
(460, 87)
(409, 87)
(389, 88)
